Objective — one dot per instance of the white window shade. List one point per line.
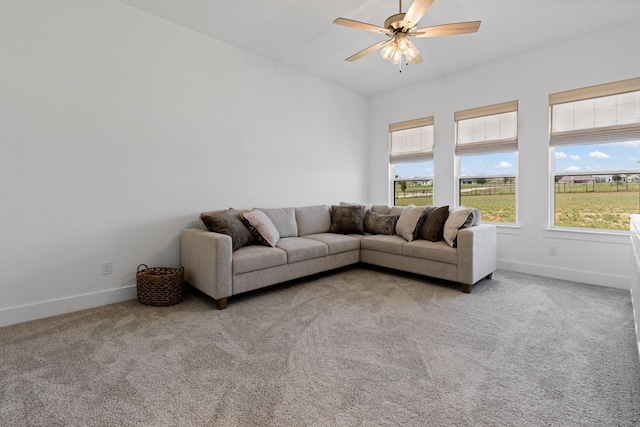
(487, 129)
(412, 141)
(597, 114)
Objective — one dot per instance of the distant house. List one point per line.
(623, 178)
(580, 179)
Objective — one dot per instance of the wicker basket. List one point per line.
(160, 285)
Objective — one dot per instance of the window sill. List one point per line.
(605, 236)
(511, 229)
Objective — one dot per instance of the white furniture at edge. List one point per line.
(635, 272)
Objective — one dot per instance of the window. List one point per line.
(411, 161)
(487, 149)
(595, 152)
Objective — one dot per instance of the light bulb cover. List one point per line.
(388, 50)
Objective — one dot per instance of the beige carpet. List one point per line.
(360, 347)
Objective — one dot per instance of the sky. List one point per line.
(598, 157)
(574, 158)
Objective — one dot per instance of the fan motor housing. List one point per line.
(394, 22)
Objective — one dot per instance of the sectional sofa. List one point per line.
(238, 251)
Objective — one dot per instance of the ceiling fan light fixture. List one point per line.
(411, 52)
(400, 27)
(403, 43)
(397, 57)
(388, 51)
(398, 47)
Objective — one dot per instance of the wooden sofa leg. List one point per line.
(221, 303)
(466, 288)
(489, 276)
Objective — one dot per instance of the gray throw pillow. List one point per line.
(433, 226)
(380, 223)
(228, 222)
(410, 222)
(347, 219)
(460, 217)
(261, 227)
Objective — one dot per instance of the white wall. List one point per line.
(602, 259)
(117, 128)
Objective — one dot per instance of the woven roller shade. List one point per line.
(596, 114)
(493, 128)
(412, 141)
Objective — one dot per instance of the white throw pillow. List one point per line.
(456, 220)
(261, 227)
(410, 222)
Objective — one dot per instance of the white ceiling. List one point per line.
(300, 33)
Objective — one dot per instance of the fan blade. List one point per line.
(416, 11)
(416, 60)
(447, 29)
(367, 51)
(361, 25)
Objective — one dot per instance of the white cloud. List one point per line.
(598, 155)
(504, 164)
(572, 169)
(575, 157)
(629, 144)
(560, 155)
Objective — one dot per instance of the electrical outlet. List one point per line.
(553, 250)
(107, 267)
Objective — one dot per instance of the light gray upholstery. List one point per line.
(337, 242)
(213, 267)
(436, 251)
(313, 219)
(257, 257)
(301, 249)
(284, 219)
(383, 243)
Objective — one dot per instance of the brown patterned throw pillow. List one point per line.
(347, 219)
(228, 222)
(433, 226)
(377, 223)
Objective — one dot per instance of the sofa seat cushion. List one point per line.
(337, 243)
(257, 257)
(383, 243)
(301, 249)
(434, 251)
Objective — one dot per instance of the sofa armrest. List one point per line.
(477, 253)
(206, 258)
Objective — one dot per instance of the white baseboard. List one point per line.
(590, 277)
(39, 310)
(25, 313)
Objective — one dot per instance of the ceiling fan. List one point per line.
(400, 27)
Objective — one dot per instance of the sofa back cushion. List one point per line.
(284, 220)
(313, 219)
(381, 209)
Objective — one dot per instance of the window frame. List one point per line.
(492, 146)
(410, 157)
(588, 136)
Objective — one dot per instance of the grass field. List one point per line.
(603, 207)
